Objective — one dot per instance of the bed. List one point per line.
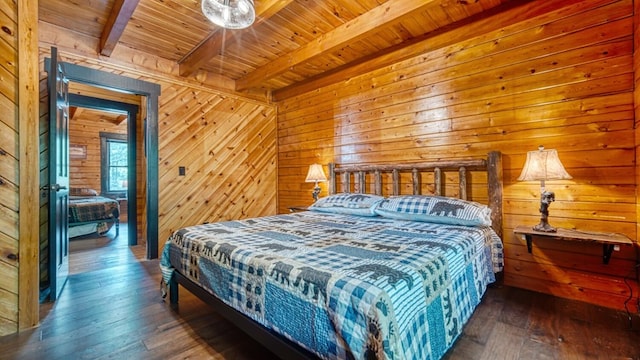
(90, 213)
(360, 276)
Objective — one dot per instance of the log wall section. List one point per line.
(557, 73)
(9, 169)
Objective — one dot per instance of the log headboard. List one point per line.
(353, 179)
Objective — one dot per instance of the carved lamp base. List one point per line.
(546, 198)
(544, 227)
(316, 192)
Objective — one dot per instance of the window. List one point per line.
(114, 169)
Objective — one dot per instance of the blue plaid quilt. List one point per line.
(344, 286)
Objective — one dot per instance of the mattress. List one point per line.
(344, 286)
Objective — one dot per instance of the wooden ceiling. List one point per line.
(293, 46)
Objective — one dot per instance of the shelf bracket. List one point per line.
(607, 250)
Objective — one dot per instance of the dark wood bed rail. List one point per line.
(492, 165)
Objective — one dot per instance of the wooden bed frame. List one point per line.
(115, 220)
(286, 349)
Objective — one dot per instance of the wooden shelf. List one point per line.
(608, 240)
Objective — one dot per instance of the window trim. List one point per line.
(105, 137)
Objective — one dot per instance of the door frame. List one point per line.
(132, 113)
(57, 185)
(103, 79)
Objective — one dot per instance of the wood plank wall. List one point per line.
(227, 146)
(9, 169)
(84, 129)
(557, 73)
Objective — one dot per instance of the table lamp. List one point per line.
(544, 165)
(315, 174)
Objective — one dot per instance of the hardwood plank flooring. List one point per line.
(111, 308)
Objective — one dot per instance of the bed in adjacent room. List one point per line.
(90, 213)
(358, 275)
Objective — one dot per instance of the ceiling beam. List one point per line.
(72, 112)
(113, 29)
(349, 32)
(120, 118)
(212, 45)
(468, 28)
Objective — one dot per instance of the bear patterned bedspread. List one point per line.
(344, 286)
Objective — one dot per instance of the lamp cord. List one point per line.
(630, 297)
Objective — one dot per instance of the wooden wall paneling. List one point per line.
(191, 139)
(616, 211)
(184, 130)
(28, 103)
(403, 114)
(9, 169)
(226, 144)
(562, 77)
(259, 156)
(197, 125)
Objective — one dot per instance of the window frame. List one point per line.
(105, 138)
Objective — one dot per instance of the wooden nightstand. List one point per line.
(298, 208)
(609, 241)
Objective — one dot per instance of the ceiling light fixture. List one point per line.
(230, 14)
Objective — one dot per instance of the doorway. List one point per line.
(111, 130)
(150, 92)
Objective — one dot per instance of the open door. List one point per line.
(58, 175)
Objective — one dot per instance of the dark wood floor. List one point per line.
(111, 308)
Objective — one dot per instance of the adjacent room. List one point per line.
(379, 179)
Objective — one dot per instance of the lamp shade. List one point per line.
(315, 173)
(230, 14)
(543, 165)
